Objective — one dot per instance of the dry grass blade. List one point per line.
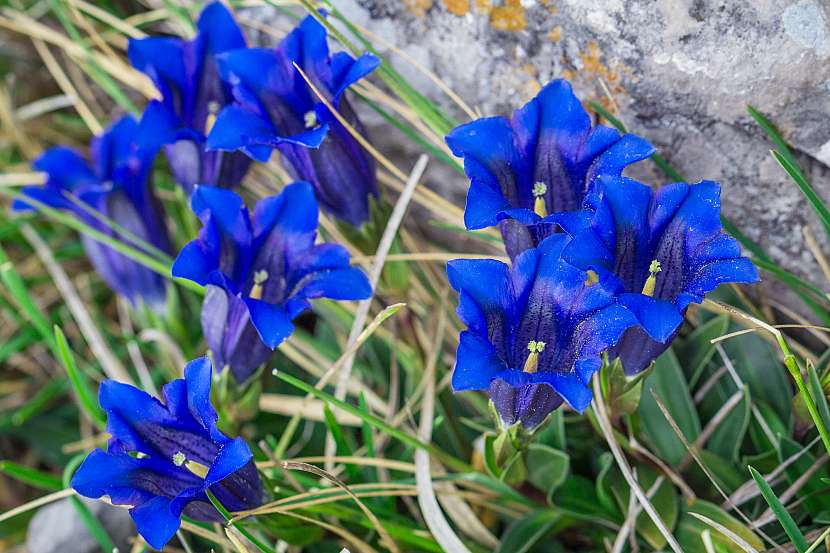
(36, 503)
(342, 532)
(703, 466)
(736, 539)
(434, 518)
(287, 405)
(22, 179)
(385, 538)
(749, 489)
(375, 271)
(67, 87)
(420, 67)
(768, 516)
(631, 518)
(110, 364)
(711, 426)
(426, 197)
(622, 463)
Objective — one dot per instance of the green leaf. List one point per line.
(813, 491)
(806, 188)
(665, 501)
(818, 394)
(343, 447)
(526, 532)
(606, 478)
(547, 467)
(578, 496)
(669, 383)
(757, 364)
(696, 351)
(85, 397)
(689, 529)
(30, 476)
(727, 438)
(382, 425)
(780, 512)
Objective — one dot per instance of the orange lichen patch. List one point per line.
(457, 7)
(555, 34)
(593, 70)
(418, 7)
(483, 6)
(567, 74)
(510, 17)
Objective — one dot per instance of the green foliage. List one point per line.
(557, 488)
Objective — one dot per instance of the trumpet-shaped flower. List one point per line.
(115, 185)
(184, 71)
(535, 331)
(162, 458)
(277, 109)
(261, 271)
(527, 170)
(659, 251)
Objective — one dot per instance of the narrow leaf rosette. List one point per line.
(261, 271)
(535, 331)
(116, 184)
(184, 71)
(544, 161)
(163, 457)
(276, 109)
(659, 251)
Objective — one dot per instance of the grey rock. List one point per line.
(57, 528)
(680, 72)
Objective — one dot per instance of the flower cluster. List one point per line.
(163, 458)
(221, 105)
(600, 263)
(261, 271)
(114, 186)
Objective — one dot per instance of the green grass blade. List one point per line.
(133, 253)
(86, 398)
(806, 188)
(91, 67)
(818, 394)
(31, 477)
(381, 425)
(780, 512)
(39, 401)
(17, 290)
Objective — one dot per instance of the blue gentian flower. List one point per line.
(277, 109)
(117, 184)
(163, 457)
(659, 252)
(544, 161)
(261, 271)
(535, 331)
(184, 71)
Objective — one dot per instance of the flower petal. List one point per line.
(476, 363)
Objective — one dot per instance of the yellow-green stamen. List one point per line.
(179, 458)
(532, 362)
(651, 281)
(213, 109)
(197, 468)
(539, 206)
(259, 278)
(591, 278)
(310, 119)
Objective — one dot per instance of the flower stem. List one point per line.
(795, 371)
(230, 522)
